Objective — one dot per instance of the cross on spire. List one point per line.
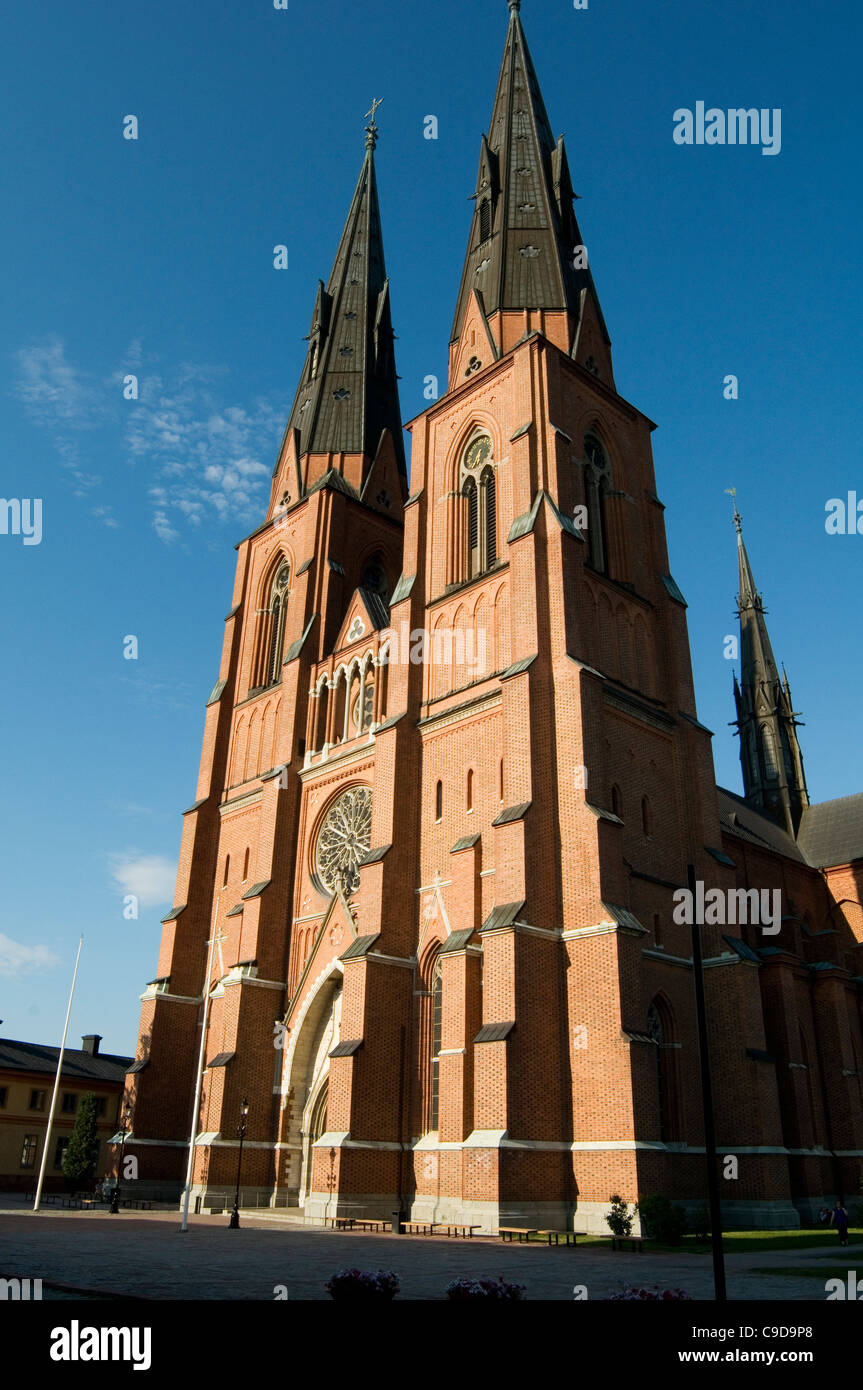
(372, 128)
(732, 493)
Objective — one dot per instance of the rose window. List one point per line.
(344, 839)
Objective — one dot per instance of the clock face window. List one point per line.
(477, 453)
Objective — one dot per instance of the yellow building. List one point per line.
(27, 1072)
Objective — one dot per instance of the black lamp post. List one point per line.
(115, 1196)
(234, 1222)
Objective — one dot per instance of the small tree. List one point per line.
(661, 1220)
(82, 1155)
(619, 1219)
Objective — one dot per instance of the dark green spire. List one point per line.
(773, 776)
(524, 232)
(348, 392)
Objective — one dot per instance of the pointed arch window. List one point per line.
(768, 749)
(488, 513)
(470, 789)
(660, 1030)
(473, 561)
(479, 488)
(438, 801)
(597, 481)
(278, 618)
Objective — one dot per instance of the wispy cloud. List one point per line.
(149, 876)
(208, 456)
(153, 689)
(61, 399)
(207, 459)
(17, 959)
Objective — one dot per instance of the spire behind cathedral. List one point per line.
(774, 780)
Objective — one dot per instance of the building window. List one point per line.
(768, 748)
(375, 579)
(617, 802)
(4, 1092)
(659, 1028)
(37, 1100)
(362, 718)
(69, 1104)
(500, 781)
(246, 865)
(485, 219)
(60, 1151)
(227, 870)
(28, 1151)
(488, 518)
(597, 481)
(646, 817)
(470, 789)
(437, 1018)
(278, 611)
(101, 1107)
(479, 488)
(657, 929)
(470, 492)
(438, 801)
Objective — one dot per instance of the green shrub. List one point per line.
(619, 1219)
(661, 1220)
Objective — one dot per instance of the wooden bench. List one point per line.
(340, 1223)
(620, 1242)
(367, 1223)
(555, 1237)
(454, 1229)
(507, 1233)
(420, 1228)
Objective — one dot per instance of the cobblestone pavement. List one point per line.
(146, 1256)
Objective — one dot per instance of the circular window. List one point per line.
(344, 838)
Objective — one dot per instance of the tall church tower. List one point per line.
(312, 583)
(773, 777)
(453, 775)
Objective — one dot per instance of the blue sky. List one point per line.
(155, 257)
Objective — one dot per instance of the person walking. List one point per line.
(839, 1219)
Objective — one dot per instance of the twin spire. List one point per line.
(348, 392)
(525, 249)
(522, 255)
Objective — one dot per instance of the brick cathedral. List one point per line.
(453, 775)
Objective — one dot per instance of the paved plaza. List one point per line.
(145, 1256)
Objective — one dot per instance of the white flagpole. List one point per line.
(201, 1056)
(56, 1084)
